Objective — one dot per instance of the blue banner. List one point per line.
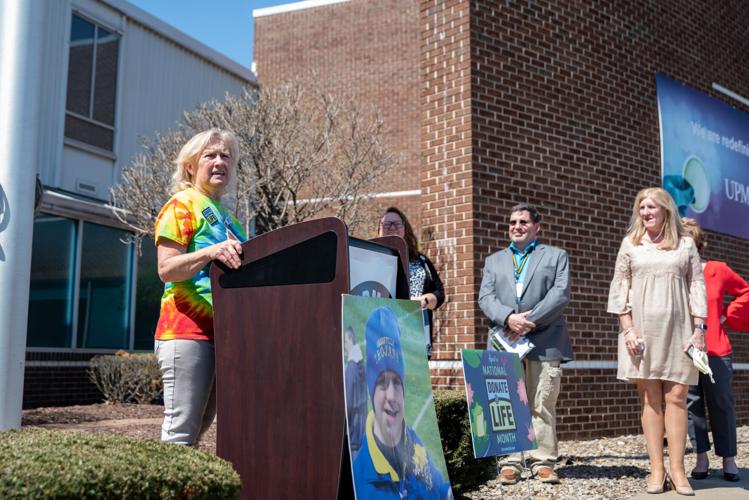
(704, 157)
(497, 403)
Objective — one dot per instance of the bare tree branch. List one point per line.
(302, 154)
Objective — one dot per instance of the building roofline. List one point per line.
(182, 39)
(290, 7)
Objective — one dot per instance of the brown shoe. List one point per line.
(509, 475)
(547, 475)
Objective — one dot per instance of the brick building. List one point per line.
(501, 102)
(344, 48)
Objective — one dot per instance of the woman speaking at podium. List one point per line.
(192, 230)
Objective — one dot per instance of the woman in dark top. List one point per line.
(424, 282)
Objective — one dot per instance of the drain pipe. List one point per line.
(21, 46)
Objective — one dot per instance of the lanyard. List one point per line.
(518, 271)
(518, 267)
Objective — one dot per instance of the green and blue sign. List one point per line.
(704, 157)
(497, 403)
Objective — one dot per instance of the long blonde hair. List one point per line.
(693, 229)
(672, 227)
(191, 151)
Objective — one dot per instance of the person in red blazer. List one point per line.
(720, 280)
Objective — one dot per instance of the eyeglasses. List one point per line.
(520, 222)
(391, 225)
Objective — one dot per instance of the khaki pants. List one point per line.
(542, 382)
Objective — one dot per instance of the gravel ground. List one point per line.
(599, 469)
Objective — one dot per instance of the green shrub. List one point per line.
(127, 378)
(465, 471)
(39, 463)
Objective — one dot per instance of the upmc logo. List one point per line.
(371, 289)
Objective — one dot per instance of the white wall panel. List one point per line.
(56, 35)
(161, 81)
(158, 80)
(86, 173)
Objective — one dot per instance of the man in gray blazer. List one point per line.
(524, 291)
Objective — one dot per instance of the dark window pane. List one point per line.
(81, 30)
(104, 295)
(147, 296)
(51, 294)
(89, 133)
(103, 36)
(80, 66)
(105, 85)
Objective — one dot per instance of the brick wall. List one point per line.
(563, 114)
(58, 379)
(501, 102)
(612, 409)
(446, 181)
(358, 50)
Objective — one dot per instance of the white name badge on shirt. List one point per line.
(518, 289)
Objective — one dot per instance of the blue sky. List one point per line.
(223, 25)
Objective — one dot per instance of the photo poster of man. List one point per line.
(497, 403)
(394, 440)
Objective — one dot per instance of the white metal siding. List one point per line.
(56, 33)
(86, 173)
(160, 81)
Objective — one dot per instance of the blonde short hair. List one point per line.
(191, 151)
(672, 228)
(693, 229)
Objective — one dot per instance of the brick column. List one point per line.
(446, 183)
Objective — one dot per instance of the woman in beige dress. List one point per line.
(658, 291)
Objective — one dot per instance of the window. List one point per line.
(92, 84)
(104, 289)
(81, 287)
(51, 292)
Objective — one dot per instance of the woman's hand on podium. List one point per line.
(228, 252)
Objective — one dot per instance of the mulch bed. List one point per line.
(89, 413)
(141, 421)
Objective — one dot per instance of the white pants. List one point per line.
(188, 372)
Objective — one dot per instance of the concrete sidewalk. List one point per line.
(714, 487)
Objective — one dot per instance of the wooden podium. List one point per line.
(279, 372)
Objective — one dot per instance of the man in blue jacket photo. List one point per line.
(392, 461)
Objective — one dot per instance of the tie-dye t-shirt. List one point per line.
(193, 220)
